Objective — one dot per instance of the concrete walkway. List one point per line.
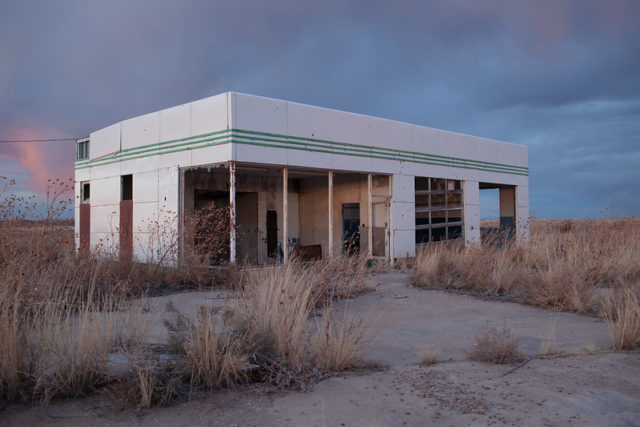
(405, 319)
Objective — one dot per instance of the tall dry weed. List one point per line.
(338, 341)
(208, 352)
(622, 313)
(275, 307)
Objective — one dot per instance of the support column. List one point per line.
(330, 214)
(181, 218)
(370, 215)
(388, 240)
(522, 214)
(232, 212)
(403, 215)
(392, 257)
(471, 212)
(285, 215)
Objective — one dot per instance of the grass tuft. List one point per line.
(491, 345)
(428, 356)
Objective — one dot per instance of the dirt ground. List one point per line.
(591, 387)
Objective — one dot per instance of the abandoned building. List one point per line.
(293, 177)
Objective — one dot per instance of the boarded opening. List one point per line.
(85, 225)
(126, 217)
(126, 229)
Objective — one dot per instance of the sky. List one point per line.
(561, 77)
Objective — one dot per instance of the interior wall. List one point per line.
(247, 231)
(347, 188)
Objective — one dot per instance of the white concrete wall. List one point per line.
(105, 141)
(287, 118)
(155, 176)
(105, 215)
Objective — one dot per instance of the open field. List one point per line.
(579, 379)
(457, 335)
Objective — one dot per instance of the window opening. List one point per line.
(127, 187)
(85, 192)
(438, 209)
(83, 149)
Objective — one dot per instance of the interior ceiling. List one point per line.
(268, 170)
(488, 185)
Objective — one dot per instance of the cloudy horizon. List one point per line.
(561, 77)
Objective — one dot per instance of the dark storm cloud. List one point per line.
(559, 76)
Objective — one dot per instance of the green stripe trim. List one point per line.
(382, 153)
(265, 139)
(392, 150)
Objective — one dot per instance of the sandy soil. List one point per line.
(596, 387)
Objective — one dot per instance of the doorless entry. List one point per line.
(351, 228)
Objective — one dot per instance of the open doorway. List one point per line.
(489, 213)
(497, 213)
(351, 228)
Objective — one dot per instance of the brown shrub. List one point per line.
(493, 346)
(428, 357)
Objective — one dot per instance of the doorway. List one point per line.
(351, 228)
(272, 233)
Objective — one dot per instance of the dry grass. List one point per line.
(274, 308)
(622, 312)
(491, 345)
(275, 305)
(208, 353)
(338, 342)
(569, 266)
(428, 357)
(549, 342)
(67, 328)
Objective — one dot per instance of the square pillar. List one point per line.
(403, 216)
(285, 215)
(369, 215)
(232, 213)
(330, 206)
(471, 212)
(522, 214)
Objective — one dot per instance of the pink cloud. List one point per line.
(41, 160)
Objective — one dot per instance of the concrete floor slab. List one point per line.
(406, 319)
